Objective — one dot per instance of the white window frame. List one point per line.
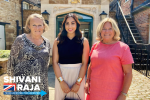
(25, 5)
(6, 0)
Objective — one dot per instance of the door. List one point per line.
(149, 31)
(2, 38)
(86, 25)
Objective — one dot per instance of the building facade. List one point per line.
(140, 10)
(88, 12)
(13, 14)
(10, 12)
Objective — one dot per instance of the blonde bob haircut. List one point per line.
(114, 27)
(35, 16)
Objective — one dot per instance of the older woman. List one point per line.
(70, 58)
(110, 71)
(29, 57)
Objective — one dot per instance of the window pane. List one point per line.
(80, 16)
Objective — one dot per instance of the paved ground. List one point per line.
(139, 90)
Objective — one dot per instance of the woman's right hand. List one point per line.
(87, 87)
(65, 88)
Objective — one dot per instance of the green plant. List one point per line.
(4, 53)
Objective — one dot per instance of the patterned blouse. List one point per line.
(28, 59)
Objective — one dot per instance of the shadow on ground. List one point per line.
(51, 77)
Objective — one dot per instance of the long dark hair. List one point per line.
(63, 34)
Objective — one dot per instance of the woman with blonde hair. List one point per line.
(110, 71)
(29, 57)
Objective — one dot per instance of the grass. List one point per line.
(4, 53)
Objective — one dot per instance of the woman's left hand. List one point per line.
(121, 97)
(75, 88)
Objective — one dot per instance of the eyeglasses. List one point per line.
(107, 29)
(37, 26)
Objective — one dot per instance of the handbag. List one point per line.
(71, 98)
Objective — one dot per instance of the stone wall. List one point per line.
(58, 1)
(9, 13)
(92, 2)
(142, 22)
(26, 13)
(87, 2)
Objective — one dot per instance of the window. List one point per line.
(25, 5)
(6, 0)
(80, 16)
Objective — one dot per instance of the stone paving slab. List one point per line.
(2, 96)
(139, 89)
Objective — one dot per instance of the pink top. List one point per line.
(107, 73)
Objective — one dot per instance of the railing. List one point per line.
(126, 29)
(140, 52)
(112, 5)
(141, 55)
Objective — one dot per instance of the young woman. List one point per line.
(70, 58)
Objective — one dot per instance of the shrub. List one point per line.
(4, 53)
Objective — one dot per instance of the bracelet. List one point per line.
(125, 94)
(79, 80)
(60, 79)
(77, 84)
(88, 79)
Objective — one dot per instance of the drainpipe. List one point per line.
(131, 7)
(22, 14)
(17, 27)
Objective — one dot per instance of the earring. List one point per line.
(29, 30)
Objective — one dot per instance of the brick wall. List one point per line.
(26, 13)
(142, 22)
(126, 7)
(137, 3)
(10, 12)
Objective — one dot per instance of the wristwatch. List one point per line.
(60, 79)
(79, 80)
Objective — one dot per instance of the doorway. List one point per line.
(86, 26)
(2, 37)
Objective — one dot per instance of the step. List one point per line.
(145, 59)
(134, 31)
(137, 49)
(136, 37)
(129, 21)
(136, 40)
(131, 24)
(135, 34)
(137, 53)
(138, 64)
